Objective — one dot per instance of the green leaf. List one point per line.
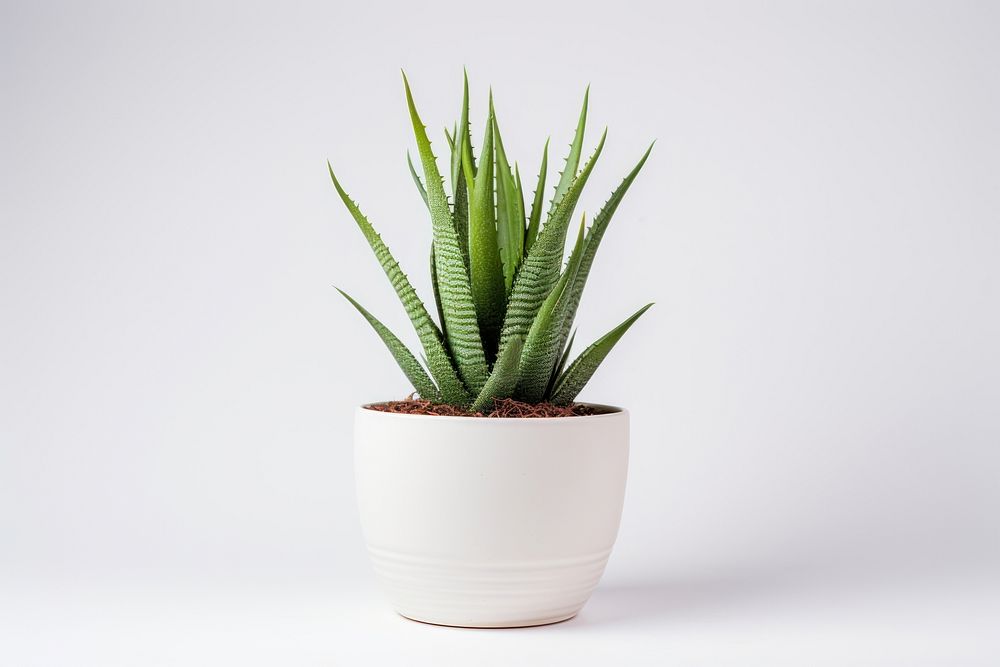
(437, 293)
(416, 179)
(519, 203)
(502, 380)
(468, 169)
(542, 346)
(434, 278)
(510, 212)
(484, 256)
(458, 134)
(468, 154)
(460, 211)
(407, 362)
(464, 142)
(568, 173)
(540, 269)
(558, 370)
(453, 277)
(438, 360)
(582, 369)
(594, 236)
(534, 221)
(458, 183)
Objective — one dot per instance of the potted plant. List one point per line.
(493, 500)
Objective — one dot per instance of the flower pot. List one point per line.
(482, 522)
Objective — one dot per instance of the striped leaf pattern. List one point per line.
(438, 360)
(437, 295)
(540, 269)
(505, 310)
(502, 380)
(453, 278)
(542, 347)
(594, 236)
(582, 369)
(414, 372)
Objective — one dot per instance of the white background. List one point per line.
(816, 447)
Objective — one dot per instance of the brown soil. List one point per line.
(504, 407)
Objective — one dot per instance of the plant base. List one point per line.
(502, 408)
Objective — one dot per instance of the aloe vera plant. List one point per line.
(504, 299)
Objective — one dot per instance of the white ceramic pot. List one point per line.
(490, 522)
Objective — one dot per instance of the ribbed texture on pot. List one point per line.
(489, 522)
(497, 594)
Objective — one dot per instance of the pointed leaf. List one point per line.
(484, 256)
(468, 169)
(468, 154)
(558, 370)
(437, 293)
(573, 159)
(540, 269)
(581, 370)
(407, 362)
(438, 360)
(594, 236)
(453, 277)
(416, 179)
(519, 203)
(535, 219)
(461, 193)
(542, 346)
(510, 216)
(457, 140)
(502, 380)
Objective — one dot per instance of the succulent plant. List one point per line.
(505, 304)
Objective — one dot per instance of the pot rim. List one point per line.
(610, 412)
